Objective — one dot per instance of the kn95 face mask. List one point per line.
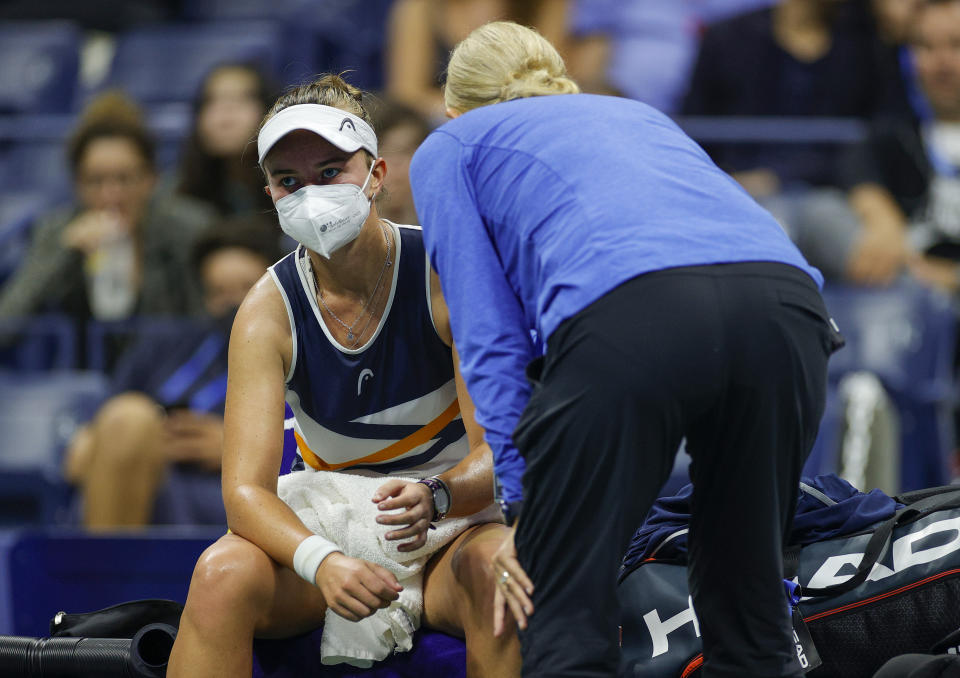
(325, 218)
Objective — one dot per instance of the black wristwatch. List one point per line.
(441, 497)
(511, 510)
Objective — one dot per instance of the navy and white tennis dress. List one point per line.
(389, 405)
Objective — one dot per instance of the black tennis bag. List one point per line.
(871, 590)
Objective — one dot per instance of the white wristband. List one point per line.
(309, 554)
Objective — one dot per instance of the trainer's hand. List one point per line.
(354, 588)
(514, 590)
(417, 499)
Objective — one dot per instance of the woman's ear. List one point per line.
(378, 175)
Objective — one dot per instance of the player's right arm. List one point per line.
(260, 355)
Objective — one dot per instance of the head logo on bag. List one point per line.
(933, 542)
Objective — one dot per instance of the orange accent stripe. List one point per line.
(419, 437)
(692, 666)
(873, 599)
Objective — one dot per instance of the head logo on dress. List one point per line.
(367, 373)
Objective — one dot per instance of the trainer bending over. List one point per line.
(670, 306)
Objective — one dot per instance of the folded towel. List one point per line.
(338, 506)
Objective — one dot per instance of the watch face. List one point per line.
(441, 500)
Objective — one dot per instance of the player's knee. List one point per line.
(231, 578)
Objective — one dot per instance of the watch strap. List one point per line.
(436, 484)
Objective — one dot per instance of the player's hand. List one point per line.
(514, 587)
(417, 500)
(354, 588)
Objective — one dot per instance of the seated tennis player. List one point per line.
(352, 331)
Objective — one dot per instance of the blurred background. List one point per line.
(133, 221)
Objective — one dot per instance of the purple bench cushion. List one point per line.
(434, 655)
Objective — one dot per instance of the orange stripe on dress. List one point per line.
(401, 447)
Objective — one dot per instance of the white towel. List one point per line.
(338, 506)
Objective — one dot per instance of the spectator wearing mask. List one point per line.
(152, 452)
(119, 250)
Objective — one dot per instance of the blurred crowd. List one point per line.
(142, 236)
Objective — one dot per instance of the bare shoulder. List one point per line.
(262, 324)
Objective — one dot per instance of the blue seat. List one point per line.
(39, 66)
(38, 414)
(167, 63)
(37, 343)
(44, 571)
(906, 335)
(107, 339)
(345, 35)
(231, 10)
(434, 655)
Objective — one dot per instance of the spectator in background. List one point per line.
(905, 177)
(421, 34)
(217, 165)
(117, 251)
(798, 58)
(640, 49)
(152, 452)
(402, 129)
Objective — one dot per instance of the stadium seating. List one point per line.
(36, 343)
(349, 34)
(39, 66)
(166, 63)
(905, 334)
(45, 571)
(38, 414)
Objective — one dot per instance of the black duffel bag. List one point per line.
(885, 589)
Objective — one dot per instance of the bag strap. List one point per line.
(944, 498)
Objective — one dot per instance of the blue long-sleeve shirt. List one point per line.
(535, 208)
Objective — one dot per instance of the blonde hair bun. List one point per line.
(502, 61)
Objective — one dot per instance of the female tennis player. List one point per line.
(352, 331)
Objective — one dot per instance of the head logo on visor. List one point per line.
(344, 130)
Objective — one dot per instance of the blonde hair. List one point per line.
(501, 61)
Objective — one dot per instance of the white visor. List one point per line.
(344, 130)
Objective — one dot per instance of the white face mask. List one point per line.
(325, 218)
